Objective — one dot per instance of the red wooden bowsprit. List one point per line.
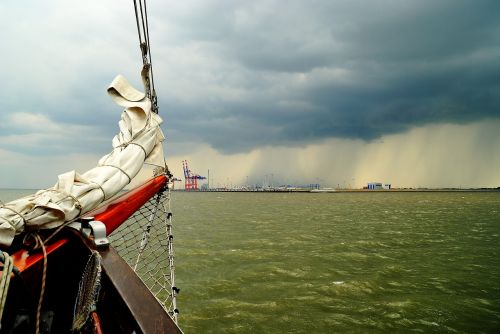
(112, 214)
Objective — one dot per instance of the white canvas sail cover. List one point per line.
(137, 143)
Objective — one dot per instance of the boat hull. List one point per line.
(125, 304)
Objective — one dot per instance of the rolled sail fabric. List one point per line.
(138, 142)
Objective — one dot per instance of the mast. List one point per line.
(163, 197)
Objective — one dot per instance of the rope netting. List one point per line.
(145, 242)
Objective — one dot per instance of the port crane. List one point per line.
(190, 178)
(173, 180)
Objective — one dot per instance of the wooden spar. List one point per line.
(112, 214)
(120, 209)
(24, 260)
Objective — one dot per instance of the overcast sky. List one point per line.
(335, 92)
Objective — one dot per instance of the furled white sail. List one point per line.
(137, 143)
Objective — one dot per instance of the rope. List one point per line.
(17, 213)
(173, 288)
(39, 243)
(156, 264)
(149, 48)
(143, 26)
(103, 192)
(137, 21)
(145, 234)
(8, 221)
(121, 170)
(60, 228)
(8, 266)
(76, 202)
(132, 143)
(146, 50)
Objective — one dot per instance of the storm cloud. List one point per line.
(302, 72)
(240, 76)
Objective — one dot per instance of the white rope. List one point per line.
(75, 200)
(173, 289)
(121, 170)
(145, 234)
(39, 243)
(2, 206)
(154, 249)
(8, 266)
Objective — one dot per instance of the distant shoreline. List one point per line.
(416, 190)
(303, 190)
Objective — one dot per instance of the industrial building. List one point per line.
(378, 186)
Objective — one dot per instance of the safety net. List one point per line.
(145, 242)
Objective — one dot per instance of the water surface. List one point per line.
(346, 262)
(336, 263)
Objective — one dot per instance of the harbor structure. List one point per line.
(173, 180)
(190, 178)
(374, 185)
(378, 186)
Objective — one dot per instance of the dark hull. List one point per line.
(125, 304)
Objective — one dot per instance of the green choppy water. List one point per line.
(337, 263)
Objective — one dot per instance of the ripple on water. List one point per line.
(349, 288)
(294, 273)
(365, 263)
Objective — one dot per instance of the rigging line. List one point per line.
(145, 47)
(149, 47)
(146, 50)
(8, 267)
(142, 21)
(137, 22)
(39, 242)
(142, 45)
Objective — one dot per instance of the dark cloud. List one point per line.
(400, 65)
(240, 75)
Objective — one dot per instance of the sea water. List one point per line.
(336, 262)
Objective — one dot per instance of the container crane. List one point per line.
(191, 179)
(173, 180)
